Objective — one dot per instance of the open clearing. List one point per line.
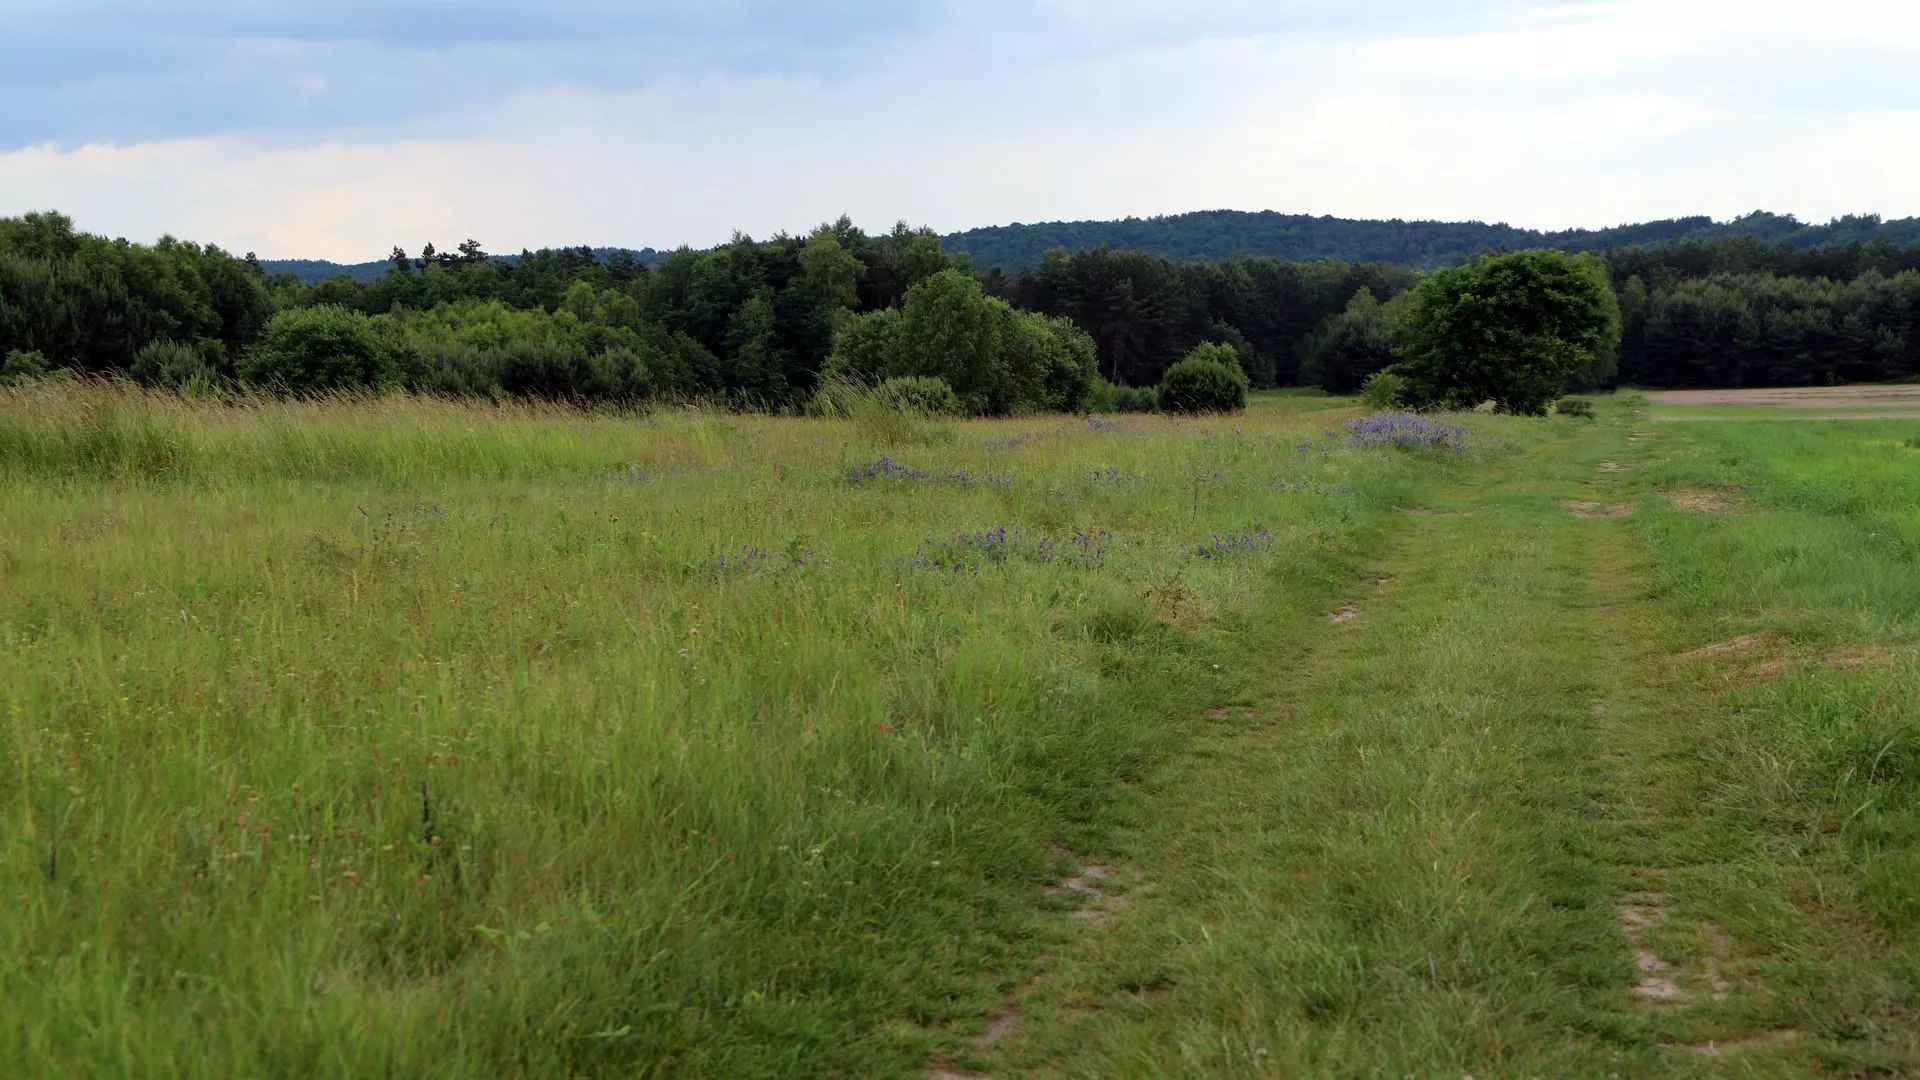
(396, 738)
(1794, 403)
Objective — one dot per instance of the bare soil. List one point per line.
(1600, 510)
(1804, 397)
(1723, 500)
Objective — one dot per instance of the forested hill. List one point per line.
(1213, 235)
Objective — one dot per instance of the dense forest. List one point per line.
(757, 322)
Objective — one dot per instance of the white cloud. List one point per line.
(1587, 116)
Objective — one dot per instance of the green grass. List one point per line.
(1409, 853)
(390, 737)
(1825, 561)
(394, 737)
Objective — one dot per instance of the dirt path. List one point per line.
(1490, 827)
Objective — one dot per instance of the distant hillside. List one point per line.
(1213, 235)
(313, 271)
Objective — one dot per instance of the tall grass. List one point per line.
(388, 736)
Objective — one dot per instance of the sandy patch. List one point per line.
(1724, 500)
(1599, 510)
(1659, 980)
(1751, 1042)
(1090, 886)
(1741, 646)
(1840, 658)
(1663, 982)
(1863, 398)
(1344, 615)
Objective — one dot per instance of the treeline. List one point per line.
(750, 322)
(758, 322)
(314, 271)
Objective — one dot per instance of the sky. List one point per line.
(338, 130)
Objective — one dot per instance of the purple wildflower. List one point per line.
(1405, 431)
(1234, 545)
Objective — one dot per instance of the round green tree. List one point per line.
(321, 348)
(1208, 380)
(1513, 329)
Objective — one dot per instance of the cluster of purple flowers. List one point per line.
(1234, 545)
(1115, 477)
(969, 551)
(749, 560)
(884, 469)
(1011, 441)
(1101, 423)
(1405, 430)
(888, 469)
(967, 479)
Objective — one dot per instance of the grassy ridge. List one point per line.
(393, 737)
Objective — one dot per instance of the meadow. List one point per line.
(385, 736)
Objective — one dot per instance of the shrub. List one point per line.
(918, 394)
(174, 366)
(864, 347)
(1573, 406)
(1208, 380)
(1049, 362)
(1384, 390)
(322, 348)
(1104, 397)
(23, 365)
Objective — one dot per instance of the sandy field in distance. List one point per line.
(1805, 397)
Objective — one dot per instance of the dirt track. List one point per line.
(1808, 397)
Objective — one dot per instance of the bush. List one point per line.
(918, 394)
(1049, 362)
(1384, 390)
(23, 365)
(1573, 406)
(864, 348)
(1208, 380)
(322, 348)
(995, 359)
(174, 366)
(1104, 397)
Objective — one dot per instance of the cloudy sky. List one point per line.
(337, 130)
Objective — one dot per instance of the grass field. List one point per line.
(397, 738)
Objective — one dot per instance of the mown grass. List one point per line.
(1822, 559)
(391, 737)
(1499, 824)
